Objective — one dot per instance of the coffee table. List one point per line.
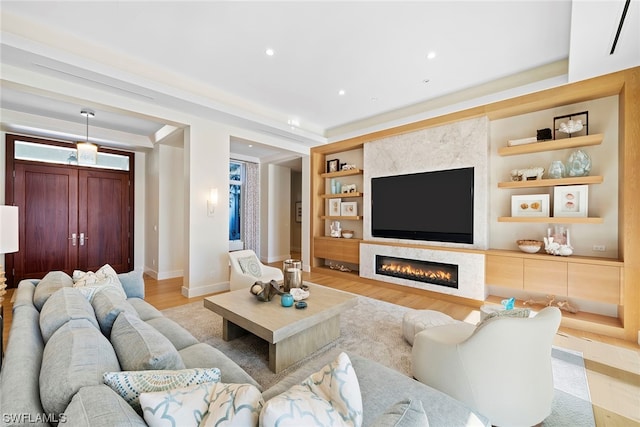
(292, 333)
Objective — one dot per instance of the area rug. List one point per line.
(373, 329)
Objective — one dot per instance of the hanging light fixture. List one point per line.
(87, 152)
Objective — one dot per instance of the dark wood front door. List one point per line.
(47, 200)
(71, 218)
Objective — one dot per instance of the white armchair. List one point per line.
(502, 369)
(246, 269)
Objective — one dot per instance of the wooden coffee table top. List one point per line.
(270, 320)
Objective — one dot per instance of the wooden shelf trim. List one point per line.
(342, 195)
(336, 238)
(342, 173)
(552, 220)
(566, 259)
(552, 182)
(556, 144)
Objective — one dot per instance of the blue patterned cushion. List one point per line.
(330, 397)
(129, 384)
(207, 404)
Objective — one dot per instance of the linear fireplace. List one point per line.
(422, 271)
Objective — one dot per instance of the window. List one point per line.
(236, 175)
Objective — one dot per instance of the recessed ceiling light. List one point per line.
(431, 55)
(250, 145)
(341, 92)
(374, 99)
(270, 52)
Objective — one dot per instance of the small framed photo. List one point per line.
(333, 165)
(530, 205)
(334, 207)
(349, 209)
(570, 201)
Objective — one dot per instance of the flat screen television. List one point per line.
(432, 206)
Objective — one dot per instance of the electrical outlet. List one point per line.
(599, 248)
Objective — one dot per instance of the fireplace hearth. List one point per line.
(418, 270)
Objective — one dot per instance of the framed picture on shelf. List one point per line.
(570, 201)
(349, 209)
(530, 205)
(349, 188)
(334, 207)
(333, 165)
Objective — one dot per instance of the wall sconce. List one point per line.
(212, 201)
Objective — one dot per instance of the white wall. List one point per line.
(171, 212)
(152, 197)
(275, 205)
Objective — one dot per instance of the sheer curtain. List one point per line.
(251, 207)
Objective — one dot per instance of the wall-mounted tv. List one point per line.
(432, 206)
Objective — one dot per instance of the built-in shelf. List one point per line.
(577, 180)
(552, 220)
(342, 173)
(341, 218)
(556, 144)
(342, 195)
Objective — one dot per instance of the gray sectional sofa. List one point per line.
(59, 347)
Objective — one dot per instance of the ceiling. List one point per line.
(209, 58)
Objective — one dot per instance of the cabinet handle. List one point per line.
(73, 239)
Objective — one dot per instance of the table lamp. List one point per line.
(8, 239)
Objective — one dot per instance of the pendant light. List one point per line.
(87, 152)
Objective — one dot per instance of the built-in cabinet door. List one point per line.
(47, 200)
(504, 271)
(549, 277)
(71, 219)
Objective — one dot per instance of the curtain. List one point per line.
(251, 208)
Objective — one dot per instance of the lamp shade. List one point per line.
(8, 229)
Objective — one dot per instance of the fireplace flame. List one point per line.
(409, 270)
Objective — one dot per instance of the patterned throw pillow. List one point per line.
(516, 312)
(207, 404)
(250, 265)
(329, 397)
(129, 384)
(90, 283)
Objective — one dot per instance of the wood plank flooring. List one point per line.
(613, 365)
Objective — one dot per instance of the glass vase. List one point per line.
(557, 170)
(579, 163)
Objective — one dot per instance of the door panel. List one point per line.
(47, 198)
(103, 220)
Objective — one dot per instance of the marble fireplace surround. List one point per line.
(455, 145)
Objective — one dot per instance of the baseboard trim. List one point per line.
(204, 290)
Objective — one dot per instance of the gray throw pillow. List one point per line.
(100, 406)
(77, 355)
(406, 413)
(250, 265)
(49, 284)
(62, 306)
(108, 303)
(140, 347)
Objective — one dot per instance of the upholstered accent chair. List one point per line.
(500, 368)
(246, 269)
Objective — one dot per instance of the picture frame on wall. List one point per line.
(571, 201)
(333, 165)
(334, 207)
(530, 205)
(349, 209)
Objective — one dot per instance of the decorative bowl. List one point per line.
(347, 234)
(530, 246)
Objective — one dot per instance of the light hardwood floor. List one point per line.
(613, 366)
